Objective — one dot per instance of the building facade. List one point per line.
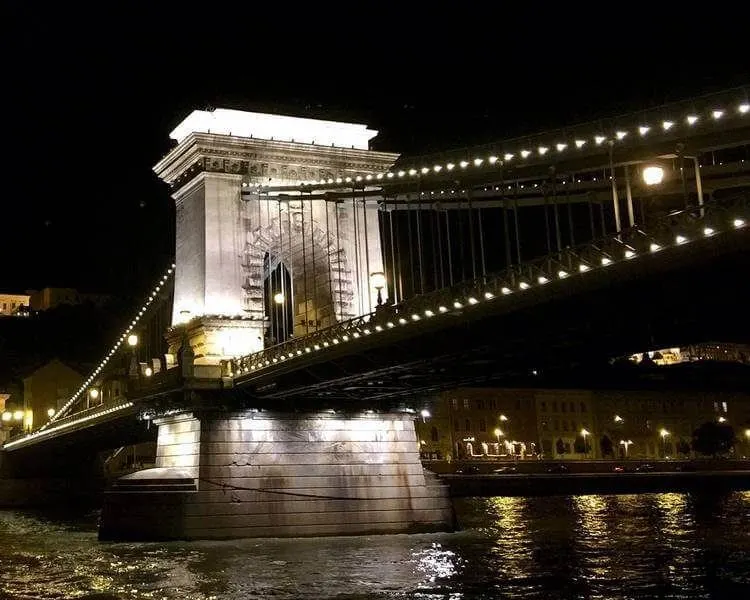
(13, 304)
(46, 389)
(574, 424)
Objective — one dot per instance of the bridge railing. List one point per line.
(674, 229)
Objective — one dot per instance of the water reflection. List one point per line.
(631, 546)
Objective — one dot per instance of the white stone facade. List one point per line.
(224, 232)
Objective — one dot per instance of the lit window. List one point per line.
(724, 406)
(466, 404)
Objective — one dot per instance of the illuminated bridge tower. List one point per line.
(254, 268)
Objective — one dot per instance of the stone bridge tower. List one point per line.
(232, 230)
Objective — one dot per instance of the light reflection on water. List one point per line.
(630, 546)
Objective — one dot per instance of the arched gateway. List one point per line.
(252, 269)
(227, 224)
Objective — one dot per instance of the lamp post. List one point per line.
(664, 433)
(498, 434)
(652, 176)
(585, 433)
(626, 444)
(133, 344)
(378, 282)
(425, 415)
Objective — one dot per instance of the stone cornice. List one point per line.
(191, 184)
(223, 153)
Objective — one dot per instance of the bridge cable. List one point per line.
(591, 211)
(506, 232)
(419, 239)
(389, 214)
(471, 235)
(289, 305)
(461, 240)
(515, 220)
(555, 208)
(281, 277)
(439, 241)
(394, 213)
(434, 246)
(304, 271)
(481, 243)
(367, 253)
(314, 263)
(547, 232)
(448, 245)
(330, 264)
(411, 243)
(358, 275)
(339, 261)
(572, 239)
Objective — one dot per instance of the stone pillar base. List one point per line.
(214, 339)
(282, 475)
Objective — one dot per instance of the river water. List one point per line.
(635, 546)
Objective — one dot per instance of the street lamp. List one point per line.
(93, 393)
(618, 419)
(378, 282)
(653, 175)
(278, 298)
(425, 415)
(7, 416)
(664, 433)
(18, 415)
(626, 445)
(132, 340)
(584, 433)
(50, 412)
(503, 418)
(722, 420)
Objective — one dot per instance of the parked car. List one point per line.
(645, 468)
(619, 469)
(506, 469)
(558, 469)
(468, 470)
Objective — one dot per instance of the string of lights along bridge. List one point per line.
(408, 262)
(666, 127)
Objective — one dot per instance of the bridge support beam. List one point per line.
(258, 474)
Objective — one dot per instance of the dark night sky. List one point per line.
(88, 99)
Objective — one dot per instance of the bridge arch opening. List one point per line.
(278, 294)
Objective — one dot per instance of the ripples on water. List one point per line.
(637, 546)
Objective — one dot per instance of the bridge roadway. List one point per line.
(694, 289)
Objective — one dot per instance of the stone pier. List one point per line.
(258, 474)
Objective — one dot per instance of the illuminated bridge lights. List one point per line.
(53, 428)
(79, 393)
(583, 267)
